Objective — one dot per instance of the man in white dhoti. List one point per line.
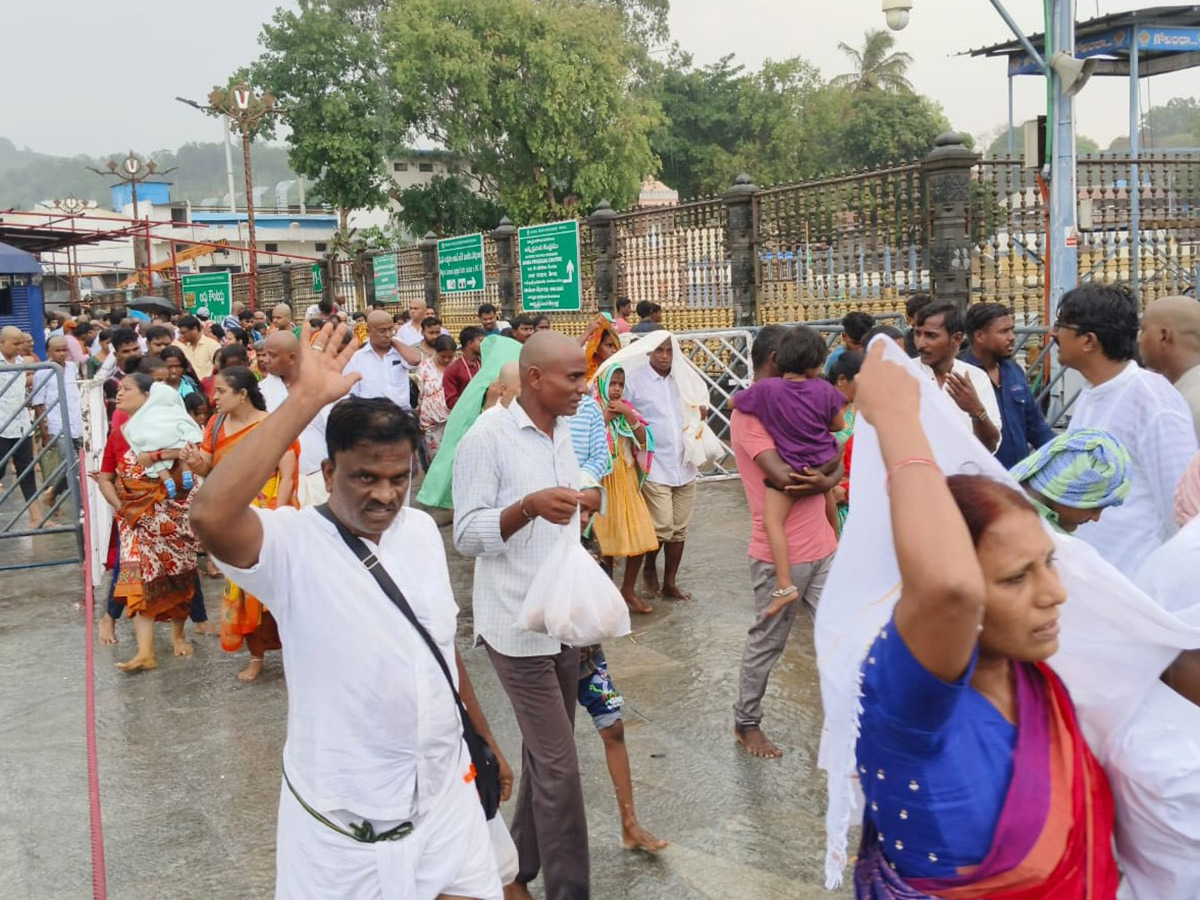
(377, 800)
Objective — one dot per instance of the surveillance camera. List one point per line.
(896, 13)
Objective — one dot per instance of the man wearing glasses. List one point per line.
(1097, 333)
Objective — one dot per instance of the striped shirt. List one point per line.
(501, 459)
(590, 441)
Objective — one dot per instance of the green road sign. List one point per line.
(460, 264)
(213, 290)
(387, 284)
(318, 282)
(550, 267)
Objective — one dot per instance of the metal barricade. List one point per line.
(27, 455)
(723, 359)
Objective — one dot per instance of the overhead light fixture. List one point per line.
(1074, 73)
(896, 12)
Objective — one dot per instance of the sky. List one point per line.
(103, 76)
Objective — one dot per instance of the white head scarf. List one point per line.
(693, 389)
(1108, 626)
(162, 423)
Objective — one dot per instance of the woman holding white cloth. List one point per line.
(1107, 625)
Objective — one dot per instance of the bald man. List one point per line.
(281, 318)
(281, 361)
(516, 487)
(1170, 345)
(505, 389)
(384, 363)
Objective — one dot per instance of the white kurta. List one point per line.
(373, 731)
(1155, 770)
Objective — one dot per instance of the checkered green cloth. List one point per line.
(1084, 469)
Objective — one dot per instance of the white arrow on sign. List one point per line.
(471, 281)
(570, 271)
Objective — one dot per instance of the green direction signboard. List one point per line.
(318, 283)
(387, 284)
(460, 264)
(550, 267)
(213, 290)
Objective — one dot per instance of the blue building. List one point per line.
(21, 295)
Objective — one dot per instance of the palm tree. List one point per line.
(876, 67)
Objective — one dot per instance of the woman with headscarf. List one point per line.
(932, 650)
(625, 528)
(600, 341)
(157, 549)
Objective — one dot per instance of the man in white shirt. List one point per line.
(198, 347)
(1170, 345)
(384, 363)
(670, 488)
(45, 399)
(377, 800)
(516, 485)
(16, 438)
(939, 335)
(281, 361)
(410, 332)
(1096, 333)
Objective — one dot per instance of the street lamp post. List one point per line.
(244, 111)
(72, 206)
(133, 170)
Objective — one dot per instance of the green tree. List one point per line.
(888, 128)
(876, 67)
(702, 123)
(325, 63)
(446, 206)
(536, 96)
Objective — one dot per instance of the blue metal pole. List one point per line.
(1063, 237)
(1135, 181)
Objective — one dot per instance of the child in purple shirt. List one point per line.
(800, 411)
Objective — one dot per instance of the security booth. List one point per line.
(21, 294)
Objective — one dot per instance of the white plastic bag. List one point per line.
(714, 450)
(570, 597)
(503, 848)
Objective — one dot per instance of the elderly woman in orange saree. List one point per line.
(240, 409)
(158, 551)
(600, 341)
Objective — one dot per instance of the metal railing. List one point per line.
(26, 380)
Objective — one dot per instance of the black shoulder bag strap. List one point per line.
(487, 769)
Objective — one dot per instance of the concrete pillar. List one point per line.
(604, 246)
(741, 240)
(429, 266)
(505, 238)
(947, 177)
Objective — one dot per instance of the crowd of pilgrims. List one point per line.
(976, 773)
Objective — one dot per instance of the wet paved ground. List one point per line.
(189, 758)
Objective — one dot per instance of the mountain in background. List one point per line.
(28, 177)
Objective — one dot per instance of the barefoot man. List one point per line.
(377, 800)
(811, 545)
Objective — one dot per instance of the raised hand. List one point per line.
(322, 360)
(962, 391)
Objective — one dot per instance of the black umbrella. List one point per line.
(153, 304)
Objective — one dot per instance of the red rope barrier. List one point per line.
(99, 873)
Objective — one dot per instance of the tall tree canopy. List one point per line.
(534, 95)
(324, 62)
(876, 66)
